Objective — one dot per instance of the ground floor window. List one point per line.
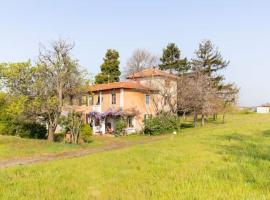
(130, 121)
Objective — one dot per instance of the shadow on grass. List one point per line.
(186, 125)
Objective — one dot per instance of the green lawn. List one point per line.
(16, 147)
(219, 161)
(12, 147)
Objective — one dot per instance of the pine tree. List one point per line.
(208, 58)
(171, 60)
(110, 68)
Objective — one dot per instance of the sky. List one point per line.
(239, 28)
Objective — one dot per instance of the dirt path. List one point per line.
(108, 147)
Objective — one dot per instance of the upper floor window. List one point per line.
(147, 99)
(167, 83)
(113, 98)
(90, 101)
(98, 100)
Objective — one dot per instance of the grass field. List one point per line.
(16, 147)
(219, 161)
(12, 147)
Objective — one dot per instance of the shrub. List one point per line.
(23, 129)
(86, 133)
(32, 130)
(162, 123)
(120, 127)
(59, 137)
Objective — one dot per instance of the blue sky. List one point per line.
(240, 28)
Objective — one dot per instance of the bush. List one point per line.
(23, 129)
(162, 123)
(86, 133)
(120, 127)
(59, 137)
(32, 130)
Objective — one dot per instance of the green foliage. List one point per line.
(110, 68)
(59, 137)
(32, 130)
(209, 59)
(120, 126)
(72, 124)
(23, 129)
(162, 123)
(86, 133)
(12, 122)
(171, 59)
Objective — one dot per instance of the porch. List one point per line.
(105, 123)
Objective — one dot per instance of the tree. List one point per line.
(44, 86)
(171, 60)
(73, 124)
(140, 59)
(209, 60)
(57, 75)
(110, 68)
(196, 94)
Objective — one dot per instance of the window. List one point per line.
(98, 100)
(113, 98)
(90, 101)
(147, 99)
(167, 83)
(166, 100)
(130, 121)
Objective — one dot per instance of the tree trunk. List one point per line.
(223, 119)
(51, 131)
(203, 120)
(195, 118)
(184, 115)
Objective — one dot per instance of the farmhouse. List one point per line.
(141, 96)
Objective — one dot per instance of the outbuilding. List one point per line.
(262, 110)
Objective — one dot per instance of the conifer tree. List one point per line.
(110, 68)
(171, 60)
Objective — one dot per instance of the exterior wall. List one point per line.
(165, 89)
(106, 101)
(262, 110)
(135, 102)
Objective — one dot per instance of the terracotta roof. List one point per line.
(151, 72)
(118, 85)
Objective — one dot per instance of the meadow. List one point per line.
(218, 161)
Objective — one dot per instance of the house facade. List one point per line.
(109, 102)
(142, 95)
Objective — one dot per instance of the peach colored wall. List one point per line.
(136, 100)
(133, 100)
(106, 99)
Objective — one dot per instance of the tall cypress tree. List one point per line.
(110, 68)
(171, 59)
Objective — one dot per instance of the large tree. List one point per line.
(209, 60)
(171, 60)
(139, 60)
(44, 85)
(110, 68)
